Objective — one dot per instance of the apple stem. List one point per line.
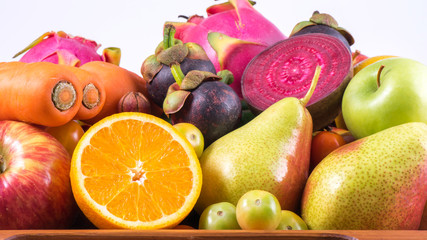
(379, 74)
(2, 164)
(356, 53)
(314, 81)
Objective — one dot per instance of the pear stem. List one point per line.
(378, 75)
(313, 85)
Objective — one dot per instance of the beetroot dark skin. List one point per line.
(325, 30)
(213, 107)
(158, 87)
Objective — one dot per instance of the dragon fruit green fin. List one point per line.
(112, 55)
(224, 45)
(35, 42)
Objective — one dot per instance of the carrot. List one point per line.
(93, 93)
(117, 82)
(42, 93)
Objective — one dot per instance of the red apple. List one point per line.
(35, 189)
(357, 57)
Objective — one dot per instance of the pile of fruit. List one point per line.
(231, 125)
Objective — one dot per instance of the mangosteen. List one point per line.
(157, 69)
(213, 107)
(326, 24)
(200, 98)
(158, 86)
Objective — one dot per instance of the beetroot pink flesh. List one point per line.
(287, 68)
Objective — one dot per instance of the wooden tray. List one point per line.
(209, 235)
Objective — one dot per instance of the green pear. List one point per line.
(378, 182)
(270, 153)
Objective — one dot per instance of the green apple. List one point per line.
(378, 97)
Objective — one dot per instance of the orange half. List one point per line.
(135, 171)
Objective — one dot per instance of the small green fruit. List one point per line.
(258, 209)
(193, 135)
(219, 216)
(291, 221)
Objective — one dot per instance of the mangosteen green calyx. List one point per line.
(156, 69)
(323, 23)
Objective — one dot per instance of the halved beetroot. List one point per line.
(286, 69)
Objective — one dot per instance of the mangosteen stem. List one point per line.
(378, 75)
(168, 41)
(177, 73)
(310, 92)
(168, 36)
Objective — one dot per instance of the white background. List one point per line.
(379, 27)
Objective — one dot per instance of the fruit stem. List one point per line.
(177, 73)
(2, 164)
(183, 16)
(328, 128)
(168, 41)
(168, 36)
(378, 75)
(313, 85)
(355, 55)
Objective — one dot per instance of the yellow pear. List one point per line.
(271, 153)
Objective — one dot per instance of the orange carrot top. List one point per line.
(93, 93)
(42, 93)
(117, 82)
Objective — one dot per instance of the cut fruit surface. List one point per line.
(135, 171)
(286, 69)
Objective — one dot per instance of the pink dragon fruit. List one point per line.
(237, 33)
(62, 48)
